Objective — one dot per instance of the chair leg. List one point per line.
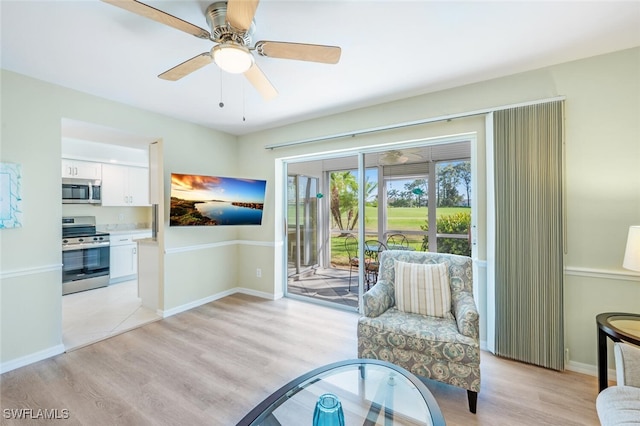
(473, 400)
(350, 269)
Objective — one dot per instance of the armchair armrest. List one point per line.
(627, 364)
(466, 313)
(377, 300)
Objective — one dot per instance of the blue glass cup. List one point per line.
(328, 411)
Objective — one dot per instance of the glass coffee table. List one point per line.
(370, 392)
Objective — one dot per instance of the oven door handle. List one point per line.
(84, 246)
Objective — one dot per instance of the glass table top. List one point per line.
(626, 325)
(370, 393)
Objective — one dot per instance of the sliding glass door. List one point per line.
(342, 212)
(302, 223)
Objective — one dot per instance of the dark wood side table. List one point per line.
(617, 326)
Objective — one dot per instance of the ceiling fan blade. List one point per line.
(187, 67)
(257, 78)
(160, 16)
(299, 51)
(240, 13)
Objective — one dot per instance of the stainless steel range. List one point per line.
(85, 255)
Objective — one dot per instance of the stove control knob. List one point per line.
(65, 241)
(80, 240)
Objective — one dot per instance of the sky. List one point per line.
(204, 188)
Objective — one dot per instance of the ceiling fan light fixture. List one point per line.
(232, 57)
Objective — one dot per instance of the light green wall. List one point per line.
(198, 274)
(586, 297)
(602, 157)
(30, 292)
(31, 314)
(199, 151)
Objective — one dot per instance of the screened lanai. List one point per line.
(415, 197)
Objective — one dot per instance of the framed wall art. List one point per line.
(198, 200)
(10, 196)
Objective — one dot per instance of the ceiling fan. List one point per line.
(396, 156)
(232, 25)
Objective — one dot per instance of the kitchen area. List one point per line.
(105, 213)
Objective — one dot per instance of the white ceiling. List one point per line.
(390, 50)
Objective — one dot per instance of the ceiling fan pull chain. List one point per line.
(221, 104)
(243, 103)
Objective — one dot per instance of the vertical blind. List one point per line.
(528, 149)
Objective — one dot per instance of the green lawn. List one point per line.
(399, 219)
(406, 218)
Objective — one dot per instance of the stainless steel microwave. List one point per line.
(81, 191)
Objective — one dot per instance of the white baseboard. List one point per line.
(576, 367)
(213, 297)
(31, 358)
(591, 370)
(261, 294)
(195, 303)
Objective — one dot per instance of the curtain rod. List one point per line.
(355, 133)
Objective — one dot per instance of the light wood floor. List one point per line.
(212, 364)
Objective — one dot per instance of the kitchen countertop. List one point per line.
(124, 228)
(128, 231)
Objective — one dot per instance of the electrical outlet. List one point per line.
(258, 272)
(121, 217)
(566, 355)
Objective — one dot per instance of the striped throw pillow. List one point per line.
(423, 288)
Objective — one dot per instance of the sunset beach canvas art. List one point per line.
(215, 201)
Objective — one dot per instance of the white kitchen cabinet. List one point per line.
(125, 185)
(123, 259)
(123, 254)
(139, 186)
(81, 169)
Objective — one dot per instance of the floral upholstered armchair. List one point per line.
(421, 316)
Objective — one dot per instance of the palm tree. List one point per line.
(344, 199)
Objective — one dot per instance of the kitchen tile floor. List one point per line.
(94, 315)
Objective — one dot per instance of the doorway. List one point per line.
(313, 273)
(93, 315)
